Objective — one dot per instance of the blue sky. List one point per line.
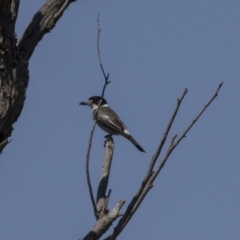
(153, 50)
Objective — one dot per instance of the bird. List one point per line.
(108, 120)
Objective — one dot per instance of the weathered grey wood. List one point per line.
(102, 199)
(43, 22)
(14, 57)
(103, 224)
(104, 217)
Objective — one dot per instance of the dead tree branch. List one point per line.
(102, 199)
(104, 217)
(104, 223)
(165, 134)
(43, 22)
(151, 175)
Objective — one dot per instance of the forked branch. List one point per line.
(151, 174)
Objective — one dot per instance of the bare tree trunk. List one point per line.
(13, 73)
(15, 55)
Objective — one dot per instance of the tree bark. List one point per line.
(15, 55)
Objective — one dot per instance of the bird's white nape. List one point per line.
(104, 105)
(94, 106)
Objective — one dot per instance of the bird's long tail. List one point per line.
(135, 143)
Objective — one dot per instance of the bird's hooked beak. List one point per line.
(87, 102)
(83, 103)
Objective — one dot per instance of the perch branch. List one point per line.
(102, 199)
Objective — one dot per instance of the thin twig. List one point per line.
(171, 148)
(108, 197)
(173, 139)
(198, 116)
(106, 76)
(165, 134)
(87, 170)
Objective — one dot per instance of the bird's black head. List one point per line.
(94, 101)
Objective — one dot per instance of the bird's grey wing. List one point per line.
(108, 118)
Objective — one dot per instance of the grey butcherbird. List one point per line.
(108, 120)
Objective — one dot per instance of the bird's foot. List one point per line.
(108, 138)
